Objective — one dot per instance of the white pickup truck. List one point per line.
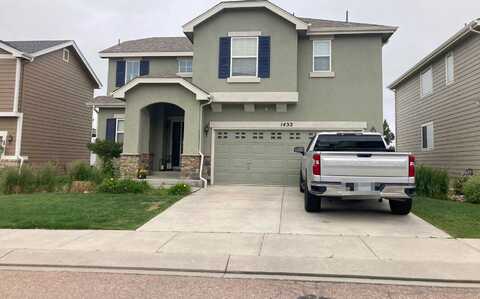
(356, 166)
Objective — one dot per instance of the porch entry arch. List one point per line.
(150, 106)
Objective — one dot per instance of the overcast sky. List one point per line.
(98, 24)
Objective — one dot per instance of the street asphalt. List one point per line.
(37, 284)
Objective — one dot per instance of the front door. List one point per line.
(177, 142)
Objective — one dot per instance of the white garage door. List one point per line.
(258, 157)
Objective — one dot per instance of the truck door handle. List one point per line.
(364, 155)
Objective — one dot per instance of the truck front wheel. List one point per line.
(401, 207)
(312, 202)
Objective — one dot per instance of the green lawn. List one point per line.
(82, 211)
(461, 220)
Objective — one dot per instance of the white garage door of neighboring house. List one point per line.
(263, 157)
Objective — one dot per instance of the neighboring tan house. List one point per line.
(44, 90)
(437, 105)
(248, 83)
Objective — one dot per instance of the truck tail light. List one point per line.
(316, 169)
(411, 166)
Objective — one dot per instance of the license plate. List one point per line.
(364, 187)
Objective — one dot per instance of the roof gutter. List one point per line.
(471, 27)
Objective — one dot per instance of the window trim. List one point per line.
(179, 72)
(424, 95)
(446, 68)
(329, 71)
(431, 147)
(66, 51)
(118, 119)
(126, 69)
(231, 57)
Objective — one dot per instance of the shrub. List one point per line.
(459, 184)
(107, 151)
(471, 190)
(46, 178)
(432, 182)
(180, 189)
(16, 180)
(116, 186)
(81, 171)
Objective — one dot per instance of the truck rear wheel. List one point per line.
(401, 207)
(312, 202)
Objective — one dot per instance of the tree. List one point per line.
(387, 133)
(107, 151)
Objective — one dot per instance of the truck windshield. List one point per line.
(350, 143)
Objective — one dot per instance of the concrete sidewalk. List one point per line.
(355, 257)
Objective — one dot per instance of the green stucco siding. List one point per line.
(158, 66)
(283, 50)
(137, 125)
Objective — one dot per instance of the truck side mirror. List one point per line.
(299, 149)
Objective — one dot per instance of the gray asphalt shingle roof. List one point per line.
(32, 46)
(331, 25)
(153, 44)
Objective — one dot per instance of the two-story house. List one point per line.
(438, 104)
(44, 90)
(247, 83)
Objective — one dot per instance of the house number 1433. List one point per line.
(286, 124)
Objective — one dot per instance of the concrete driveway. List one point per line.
(279, 210)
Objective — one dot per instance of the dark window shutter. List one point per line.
(111, 129)
(120, 81)
(144, 67)
(224, 58)
(264, 56)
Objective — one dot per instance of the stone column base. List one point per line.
(129, 165)
(190, 167)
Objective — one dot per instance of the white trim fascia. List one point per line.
(18, 79)
(343, 32)
(108, 105)
(254, 97)
(290, 125)
(146, 54)
(244, 33)
(322, 74)
(15, 52)
(185, 75)
(7, 56)
(299, 24)
(10, 114)
(79, 53)
(241, 79)
(200, 94)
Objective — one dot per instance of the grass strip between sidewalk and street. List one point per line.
(82, 211)
(460, 220)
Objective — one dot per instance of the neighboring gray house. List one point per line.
(248, 83)
(438, 104)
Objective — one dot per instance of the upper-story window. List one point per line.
(132, 70)
(184, 65)
(322, 55)
(426, 82)
(244, 58)
(449, 68)
(66, 55)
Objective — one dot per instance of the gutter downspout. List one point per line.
(16, 100)
(200, 132)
